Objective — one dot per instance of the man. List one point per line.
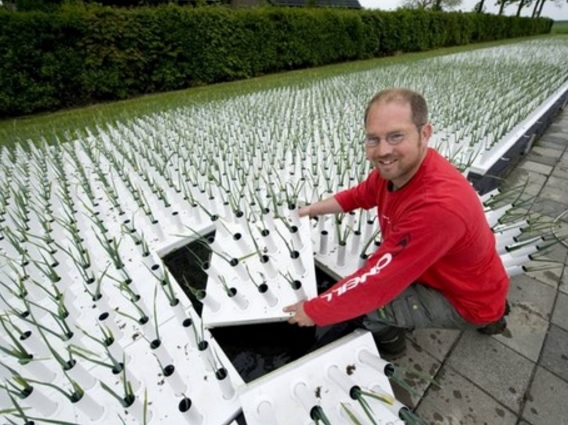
(437, 265)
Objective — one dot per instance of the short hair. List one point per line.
(418, 106)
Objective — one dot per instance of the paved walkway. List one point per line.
(521, 377)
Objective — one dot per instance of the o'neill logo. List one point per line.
(355, 281)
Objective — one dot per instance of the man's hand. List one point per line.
(305, 211)
(300, 317)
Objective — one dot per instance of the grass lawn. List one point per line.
(52, 125)
(560, 27)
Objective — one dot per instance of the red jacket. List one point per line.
(434, 232)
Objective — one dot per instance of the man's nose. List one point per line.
(382, 149)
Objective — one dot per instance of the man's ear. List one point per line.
(426, 131)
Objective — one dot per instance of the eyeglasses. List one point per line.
(392, 139)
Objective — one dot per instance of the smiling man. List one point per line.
(437, 265)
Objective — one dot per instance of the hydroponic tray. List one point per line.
(324, 378)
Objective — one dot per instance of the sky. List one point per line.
(549, 10)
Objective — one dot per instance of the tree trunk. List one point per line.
(480, 6)
(501, 7)
(521, 4)
(540, 8)
(536, 3)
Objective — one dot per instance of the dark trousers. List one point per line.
(418, 306)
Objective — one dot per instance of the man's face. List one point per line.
(398, 160)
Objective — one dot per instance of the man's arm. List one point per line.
(417, 242)
(325, 206)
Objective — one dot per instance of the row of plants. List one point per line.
(80, 55)
(90, 318)
(83, 220)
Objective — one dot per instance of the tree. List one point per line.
(431, 4)
(557, 3)
(521, 5)
(479, 7)
(535, 10)
(501, 4)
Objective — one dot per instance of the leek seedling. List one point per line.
(82, 260)
(208, 246)
(18, 288)
(20, 387)
(288, 245)
(47, 269)
(294, 283)
(66, 334)
(111, 247)
(143, 319)
(61, 311)
(213, 217)
(107, 336)
(341, 235)
(18, 411)
(257, 248)
(115, 366)
(25, 317)
(97, 280)
(17, 245)
(17, 350)
(128, 397)
(94, 217)
(196, 257)
(156, 323)
(369, 242)
(252, 280)
(145, 205)
(65, 364)
(167, 287)
(318, 415)
(128, 228)
(73, 396)
(162, 197)
(199, 294)
(226, 288)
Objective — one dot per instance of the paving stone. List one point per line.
(436, 342)
(416, 369)
(551, 143)
(560, 171)
(541, 159)
(546, 400)
(560, 312)
(499, 370)
(555, 251)
(555, 188)
(556, 134)
(520, 176)
(531, 305)
(538, 297)
(563, 160)
(545, 270)
(543, 151)
(563, 287)
(536, 167)
(458, 401)
(555, 352)
(545, 154)
(548, 207)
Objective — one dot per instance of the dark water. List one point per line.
(254, 350)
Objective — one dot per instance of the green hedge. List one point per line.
(80, 55)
